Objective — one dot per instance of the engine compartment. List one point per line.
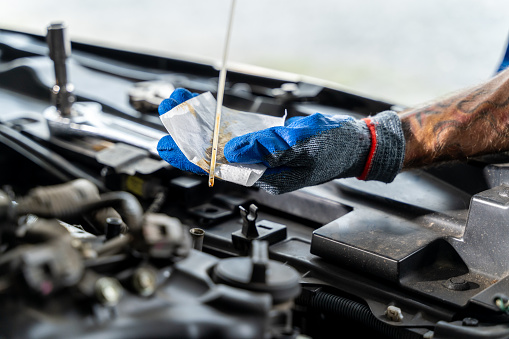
(100, 237)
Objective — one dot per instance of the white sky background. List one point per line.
(405, 52)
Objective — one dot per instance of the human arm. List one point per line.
(471, 122)
(468, 123)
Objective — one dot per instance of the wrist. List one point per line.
(386, 153)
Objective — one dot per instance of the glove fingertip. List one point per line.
(177, 97)
(166, 143)
(166, 105)
(237, 150)
(181, 94)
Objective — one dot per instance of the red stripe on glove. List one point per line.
(372, 131)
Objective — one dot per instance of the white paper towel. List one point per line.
(191, 125)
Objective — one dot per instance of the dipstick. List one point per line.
(220, 95)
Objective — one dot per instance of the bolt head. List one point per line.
(457, 284)
(108, 291)
(145, 281)
(394, 313)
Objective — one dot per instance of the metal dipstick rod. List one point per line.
(59, 50)
(220, 95)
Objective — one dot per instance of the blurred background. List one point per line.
(404, 52)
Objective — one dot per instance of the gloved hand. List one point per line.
(318, 148)
(167, 148)
(307, 150)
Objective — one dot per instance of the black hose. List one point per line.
(124, 203)
(350, 310)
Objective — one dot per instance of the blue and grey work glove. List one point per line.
(309, 150)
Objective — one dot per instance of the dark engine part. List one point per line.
(145, 282)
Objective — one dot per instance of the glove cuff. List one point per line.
(387, 151)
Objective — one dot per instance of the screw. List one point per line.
(108, 291)
(394, 313)
(457, 284)
(144, 281)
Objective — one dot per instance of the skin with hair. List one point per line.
(471, 122)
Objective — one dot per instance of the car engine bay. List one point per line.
(99, 237)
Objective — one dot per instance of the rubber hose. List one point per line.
(55, 200)
(353, 311)
(124, 203)
(127, 206)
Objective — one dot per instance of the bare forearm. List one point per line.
(472, 122)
